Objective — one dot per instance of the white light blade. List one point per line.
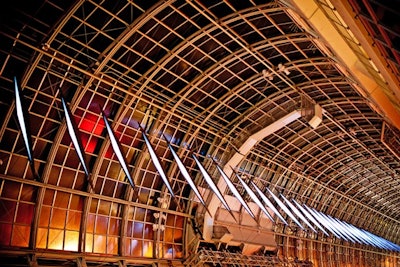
(334, 226)
(310, 217)
(235, 191)
(185, 174)
(117, 150)
(22, 121)
(254, 197)
(298, 213)
(211, 183)
(322, 221)
(73, 134)
(285, 209)
(268, 202)
(157, 164)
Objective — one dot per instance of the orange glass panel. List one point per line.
(24, 213)
(56, 238)
(178, 235)
(41, 239)
(129, 228)
(89, 243)
(71, 240)
(90, 223)
(44, 216)
(58, 218)
(101, 225)
(20, 236)
(136, 248)
(114, 226)
(170, 220)
(76, 203)
(62, 200)
(73, 220)
(28, 193)
(99, 245)
(48, 197)
(112, 245)
(168, 234)
(147, 249)
(67, 178)
(5, 236)
(7, 210)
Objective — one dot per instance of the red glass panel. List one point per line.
(25, 213)
(7, 210)
(12, 189)
(5, 236)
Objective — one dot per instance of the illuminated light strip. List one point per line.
(22, 120)
(269, 203)
(356, 232)
(342, 226)
(285, 209)
(73, 131)
(212, 185)
(157, 163)
(335, 226)
(310, 217)
(323, 222)
(235, 191)
(117, 149)
(298, 213)
(254, 197)
(185, 174)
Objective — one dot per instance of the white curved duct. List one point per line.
(236, 159)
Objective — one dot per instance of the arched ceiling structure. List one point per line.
(207, 75)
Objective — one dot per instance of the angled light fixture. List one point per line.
(213, 186)
(268, 202)
(186, 175)
(253, 196)
(117, 149)
(285, 209)
(322, 221)
(298, 213)
(23, 121)
(234, 191)
(73, 133)
(310, 217)
(157, 163)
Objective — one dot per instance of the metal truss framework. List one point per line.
(193, 72)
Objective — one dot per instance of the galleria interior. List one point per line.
(200, 133)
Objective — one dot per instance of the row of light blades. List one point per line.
(307, 215)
